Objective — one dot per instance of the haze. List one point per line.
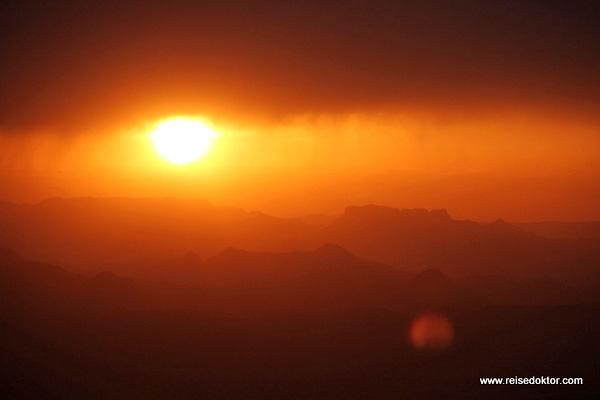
(488, 110)
(299, 199)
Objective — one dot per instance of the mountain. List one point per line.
(7, 256)
(431, 290)
(273, 321)
(503, 228)
(329, 261)
(539, 291)
(131, 236)
(111, 231)
(327, 278)
(418, 239)
(397, 237)
(558, 229)
(317, 220)
(32, 285)
(222, 322)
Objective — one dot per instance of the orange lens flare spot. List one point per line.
(182, 140)
(431, 331)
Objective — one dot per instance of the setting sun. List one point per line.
(181, 140)
(300, 199)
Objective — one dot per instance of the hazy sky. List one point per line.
(490, 109)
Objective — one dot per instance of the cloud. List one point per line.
(106, 64)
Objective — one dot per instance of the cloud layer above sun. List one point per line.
(89, 65)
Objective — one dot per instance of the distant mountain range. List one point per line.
(125, 234)
(105, 231)
(254, 322)
(326, 279)
(557, 229)
(31, 286)
(418, 239)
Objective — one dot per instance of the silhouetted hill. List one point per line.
(503, 228)
(329, 277)
(557, 229)
(398, 237)
(7, 256)
(569, 261)
(419, 239)
(430, 278)
(317, 220)
(431, 289)
(325, 257)
(538, 291)
(106, 231)
(334, 253)
(246, 324)
(41, 286)
(131, 236)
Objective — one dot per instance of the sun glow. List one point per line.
(182, 140)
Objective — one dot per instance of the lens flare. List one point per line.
(431, 331)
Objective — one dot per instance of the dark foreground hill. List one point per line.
(559, 229)
(328, 278)
(174, 354)
(31, 286)
(254, 325)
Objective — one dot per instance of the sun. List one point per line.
(182, 140)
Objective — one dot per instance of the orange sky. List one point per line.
(517, 167)
(488, 110)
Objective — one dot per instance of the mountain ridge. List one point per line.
(137, 232)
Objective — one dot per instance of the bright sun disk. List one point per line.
(182, 140)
